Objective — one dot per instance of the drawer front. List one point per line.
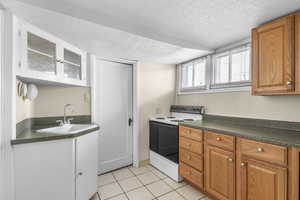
(191, 133)
(191, 145)
(191, 159)
(263, 151)
(191, 175)
(220, 140)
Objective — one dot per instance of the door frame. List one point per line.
(135, 99)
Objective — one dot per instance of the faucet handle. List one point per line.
(61, 122)
(69, 120)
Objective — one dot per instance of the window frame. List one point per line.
(197, 88)
(209, 86)
(230, 52)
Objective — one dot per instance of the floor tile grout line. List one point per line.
(144, 185)
(120, 187)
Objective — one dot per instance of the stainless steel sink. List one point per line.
(68, 128)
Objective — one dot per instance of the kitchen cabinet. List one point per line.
(219, 173)
(191, 155)
(260, 180)
(86, 166)
(234, 168)
(276, 57)
(263, 170)
(67, 169)
(44, 57)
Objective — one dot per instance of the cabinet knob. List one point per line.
(260, 149)
(218, 139)
(289, 82)
(230, 159)
(243, 164)
(80, 174)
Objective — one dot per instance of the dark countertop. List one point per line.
(279, 136)
(31, 135)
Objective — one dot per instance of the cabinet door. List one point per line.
(39, 54)
(263, 181)
(219, 173)
(74, 64)
(273, 57)
(86, 168)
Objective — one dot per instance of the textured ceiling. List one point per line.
(103, 41)
(189, 23)
(157, 30)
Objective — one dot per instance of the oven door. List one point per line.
(164, 140)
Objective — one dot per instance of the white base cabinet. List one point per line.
(63, 169)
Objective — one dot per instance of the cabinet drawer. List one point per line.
(191, 145)
(191, 174)
(263, 151)
(220, 140)
(191, 159)
(191, 133)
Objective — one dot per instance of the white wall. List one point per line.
(156, 94)
(51, 100)
(242, 104)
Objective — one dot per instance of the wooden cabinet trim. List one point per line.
(220, 140)
(191, 159)
(191, 133)
(227, 184)
(191, 145)
(263, 151)
(279, 179)
(288, 58)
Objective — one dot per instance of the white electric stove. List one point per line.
(164, 138)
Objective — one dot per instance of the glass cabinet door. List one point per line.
(41, 54)
(72, 65)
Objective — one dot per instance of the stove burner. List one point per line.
(188, 119)
(160, 118)
(170, 117)
(177, 120)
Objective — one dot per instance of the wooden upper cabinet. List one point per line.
(219, 173)
(273, 62)
(260, 180)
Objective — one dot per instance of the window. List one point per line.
(193, 75)
(231, 68)
(227, 70)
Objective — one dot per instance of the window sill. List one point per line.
(215, 90)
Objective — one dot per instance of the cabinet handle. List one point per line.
(189, 157)
(260, 149)
(188, 132)
(230, 159)
(243, 164)
(188, 145)
(289, 82)
(218, 139)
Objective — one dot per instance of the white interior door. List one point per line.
(113, 109)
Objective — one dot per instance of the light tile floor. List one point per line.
(145, 183)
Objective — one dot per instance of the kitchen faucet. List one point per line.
(65, 121)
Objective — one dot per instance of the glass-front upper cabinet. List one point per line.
(41, 54)
(47, 58)
(72, 65)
